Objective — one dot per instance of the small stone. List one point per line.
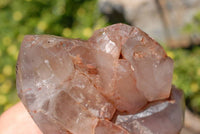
(83, 87)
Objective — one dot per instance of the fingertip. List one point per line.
(17, 120)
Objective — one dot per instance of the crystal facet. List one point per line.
(99, 86)
(156, 117)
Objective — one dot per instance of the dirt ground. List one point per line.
(192, 123)
(188, 131)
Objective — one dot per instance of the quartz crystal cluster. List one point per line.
(117, 82)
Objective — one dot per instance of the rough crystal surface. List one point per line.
(162, 115)
(99, 86)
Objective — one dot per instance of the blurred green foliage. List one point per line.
(187, 74)
(194, 26)
(73, 19)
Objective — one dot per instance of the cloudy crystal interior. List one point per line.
(117, 82)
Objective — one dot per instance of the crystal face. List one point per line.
(117, 82)
(156, 117)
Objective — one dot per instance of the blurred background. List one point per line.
(175, 24)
